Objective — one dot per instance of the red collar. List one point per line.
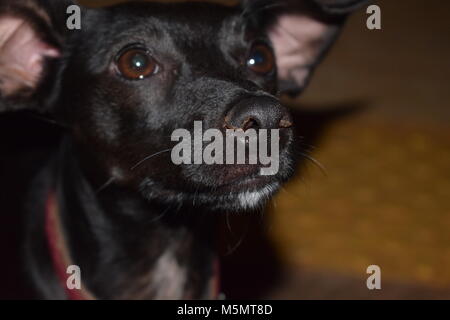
(59, 252)
(61, 258)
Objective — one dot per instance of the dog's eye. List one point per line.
(136, 64)
(261, 59)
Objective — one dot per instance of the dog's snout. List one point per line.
(258, 113)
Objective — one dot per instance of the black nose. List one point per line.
(258, 113)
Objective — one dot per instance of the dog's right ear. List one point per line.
(302, 31)
(31, 38)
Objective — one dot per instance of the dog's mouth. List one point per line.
(240, 188)
(223, 187)
(247, 193)
(243, 179)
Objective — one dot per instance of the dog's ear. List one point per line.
(302, 31)
(31, 36)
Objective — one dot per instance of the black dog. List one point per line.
(111, 201)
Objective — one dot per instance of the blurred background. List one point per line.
(384, 197)
(377, 117)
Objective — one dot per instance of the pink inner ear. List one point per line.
(22, 55)
(298, 42)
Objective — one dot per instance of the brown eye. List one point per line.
(261, 59)
(136, 64)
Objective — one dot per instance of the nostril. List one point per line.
(228, 125)
(249, 123)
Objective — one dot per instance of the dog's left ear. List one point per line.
(29, 43)
(302, 31)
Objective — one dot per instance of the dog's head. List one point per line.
(137, 73)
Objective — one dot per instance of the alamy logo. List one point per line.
(192, 150)
(374, 280)
(74, 20)
(74, 280)
(374, 20)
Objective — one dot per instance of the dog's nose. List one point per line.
(258, 113)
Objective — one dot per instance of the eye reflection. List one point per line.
(136, 64)
(261, 59)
